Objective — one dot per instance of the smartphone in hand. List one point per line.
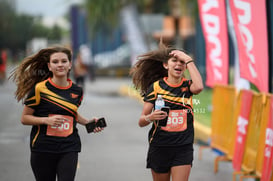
(93, 124)
(163, 122)
(101, 123)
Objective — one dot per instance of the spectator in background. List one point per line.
(87, 60)
(80, 70)
(3, 62)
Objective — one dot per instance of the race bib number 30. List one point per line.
(177, 121)
(64, 130)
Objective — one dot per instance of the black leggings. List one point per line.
(46, 166)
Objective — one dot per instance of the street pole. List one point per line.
(269, 11)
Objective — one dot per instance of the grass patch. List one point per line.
(202, 104)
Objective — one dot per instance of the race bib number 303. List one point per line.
(177, 121)
(64, 130)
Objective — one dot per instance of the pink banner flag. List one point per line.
(249, 18)
(241, 132)
(213, 20)
(268, 151)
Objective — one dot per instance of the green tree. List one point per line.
(107, 11)
(7, 16)
(55, 33)
(16, 30)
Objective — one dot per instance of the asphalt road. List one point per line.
(117, 154)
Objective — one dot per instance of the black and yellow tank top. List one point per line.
(179, 130)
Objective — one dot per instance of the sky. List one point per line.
(52, 11)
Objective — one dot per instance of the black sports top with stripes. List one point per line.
(179, 130)
(47, 99)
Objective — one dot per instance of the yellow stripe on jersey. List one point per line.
(60, 101)
(50, 96)
(36, 98)
(36, 135)
(167, 96)
(159, 90)
(178, 100)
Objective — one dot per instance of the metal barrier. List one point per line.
(255, 142)
(261, 142)
(236, 113)
(230, 139)
(253, 134)
(228, 106)
(224, 100)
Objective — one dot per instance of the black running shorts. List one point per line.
(161, 159)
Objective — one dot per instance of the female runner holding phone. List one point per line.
(160, 72)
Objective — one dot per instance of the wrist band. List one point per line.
(147, 119)
(189, 62)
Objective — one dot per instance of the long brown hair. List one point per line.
(34, 69)
(149, 67)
